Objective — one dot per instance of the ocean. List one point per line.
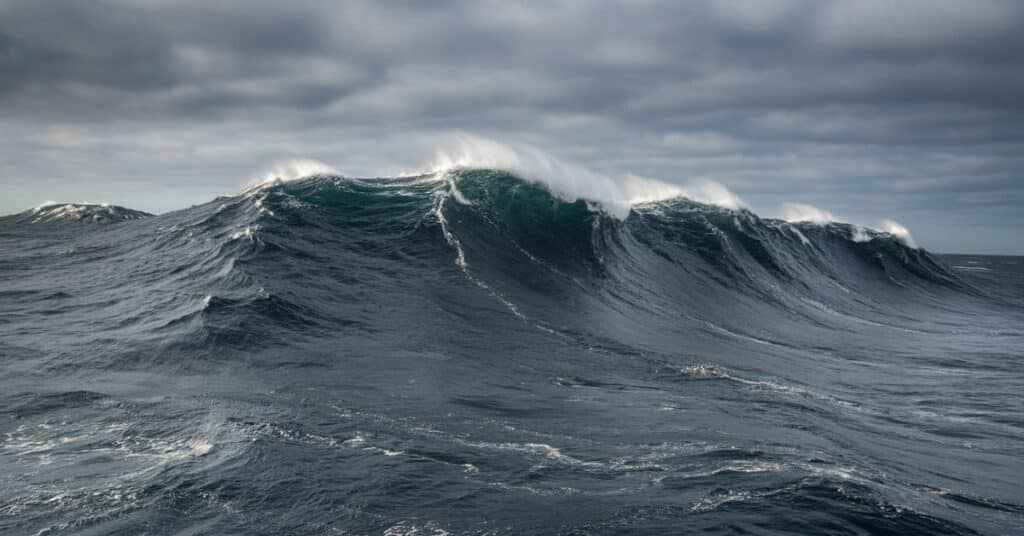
(467, 353)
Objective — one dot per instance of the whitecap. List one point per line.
(290, 170)
(899, 231)
(616, 194)
(802, 212)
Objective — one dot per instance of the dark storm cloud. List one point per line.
(912, 110)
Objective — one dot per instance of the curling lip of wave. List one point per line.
(570, 181)
(566, 180)
(646, 192)
(803, 213)
(616, 195)
(290, 170)
(899, 231)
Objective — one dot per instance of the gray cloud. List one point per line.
(912, 111)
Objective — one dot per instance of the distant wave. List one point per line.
(81, 212)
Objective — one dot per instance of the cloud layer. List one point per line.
(869, 109)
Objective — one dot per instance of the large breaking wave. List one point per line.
(670, 262)
(472, 337)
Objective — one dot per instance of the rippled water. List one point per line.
(385, 356)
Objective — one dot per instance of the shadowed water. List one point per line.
(469, 354)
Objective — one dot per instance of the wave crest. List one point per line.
(802, 212)
(290, 170)
(567, 180)
(899, 231)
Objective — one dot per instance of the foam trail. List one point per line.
(460, 259)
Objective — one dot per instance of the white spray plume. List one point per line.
(572, 181)
(860, 234)
(892, 228)
(707, 191)
(802, 212)
(899, 231)
(289, 170)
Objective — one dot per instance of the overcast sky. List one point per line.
(909, 110)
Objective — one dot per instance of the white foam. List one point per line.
(716, 372)
(615, 194)
(249, 232)
(290, 170)
(716, 499)
(704, 190)
(572, 181)
(83, 211)
(972, 268)
(899, 231)
(802, 212)
(800, 235)
(360, 442)
(50, 210)
(860, 234)
(50, 205)
(542, 450)
(408, 528)
(45, 204)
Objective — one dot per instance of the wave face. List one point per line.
(468, 353)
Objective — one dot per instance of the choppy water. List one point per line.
(471, 355)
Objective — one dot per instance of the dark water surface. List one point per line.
(395, 356)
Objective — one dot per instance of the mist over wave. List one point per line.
(504, 344)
